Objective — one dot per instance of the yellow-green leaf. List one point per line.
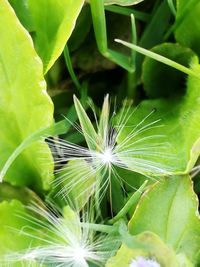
(25, 106)
(169, 209)
(52, 22)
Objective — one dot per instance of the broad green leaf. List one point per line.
(169, 209)
(25, 106)
(11, 223)
(122, 2)
(52, 24)
(55, 129)
(175, 139)
(77, 182)
(23, 13)
(86, 125)
(161, 80)
(187, 25)
(155, 249)
(72, 221)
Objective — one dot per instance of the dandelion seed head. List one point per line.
(107, 156)
(29, 256)
(142, 150)
(80, 254)
(65, 241)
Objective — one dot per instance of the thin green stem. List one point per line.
(129, 204)
(100, 30)
(100, 227)
(131, 84)
(133, 39)
(70, 68)
(160, 58)
(131, 77)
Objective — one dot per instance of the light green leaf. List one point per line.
(55, 129)
(169, 209)
(52, 24)
(104, 120)
(86, 125)
(122, 2)
(77, 181)
(187, 25)
(23, 13)
(72, 221)
(175, 139)
(155, 249)
(24, 104)
(11, 223)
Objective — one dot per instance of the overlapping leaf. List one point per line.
(176, 136)
(52, 23)
(25, 106)
(11, 223)
(169, 209)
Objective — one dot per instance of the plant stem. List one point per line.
(70, 68)
(129, 204)
(100, 227)
(159, 58)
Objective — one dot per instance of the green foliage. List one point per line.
(160, 80)
(12, 222)
(52, 23)
(79, 188)
(187, 26)
(86, 125)
(169, 209)
(177, 115)
(156, 249)
(113, 184)
(24, 104)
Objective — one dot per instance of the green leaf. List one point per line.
(81, 30)
(156, 27)
(72, 221)
(86, 125)
(55, 129)
(187, 25)
(155, 249)
(122, 2)
(104, 120)
(23, 13)
(78, 181)
(161, 80)
(11, 223)
(169, 209)
(25, 106)
(176, 137)
(52, 24)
